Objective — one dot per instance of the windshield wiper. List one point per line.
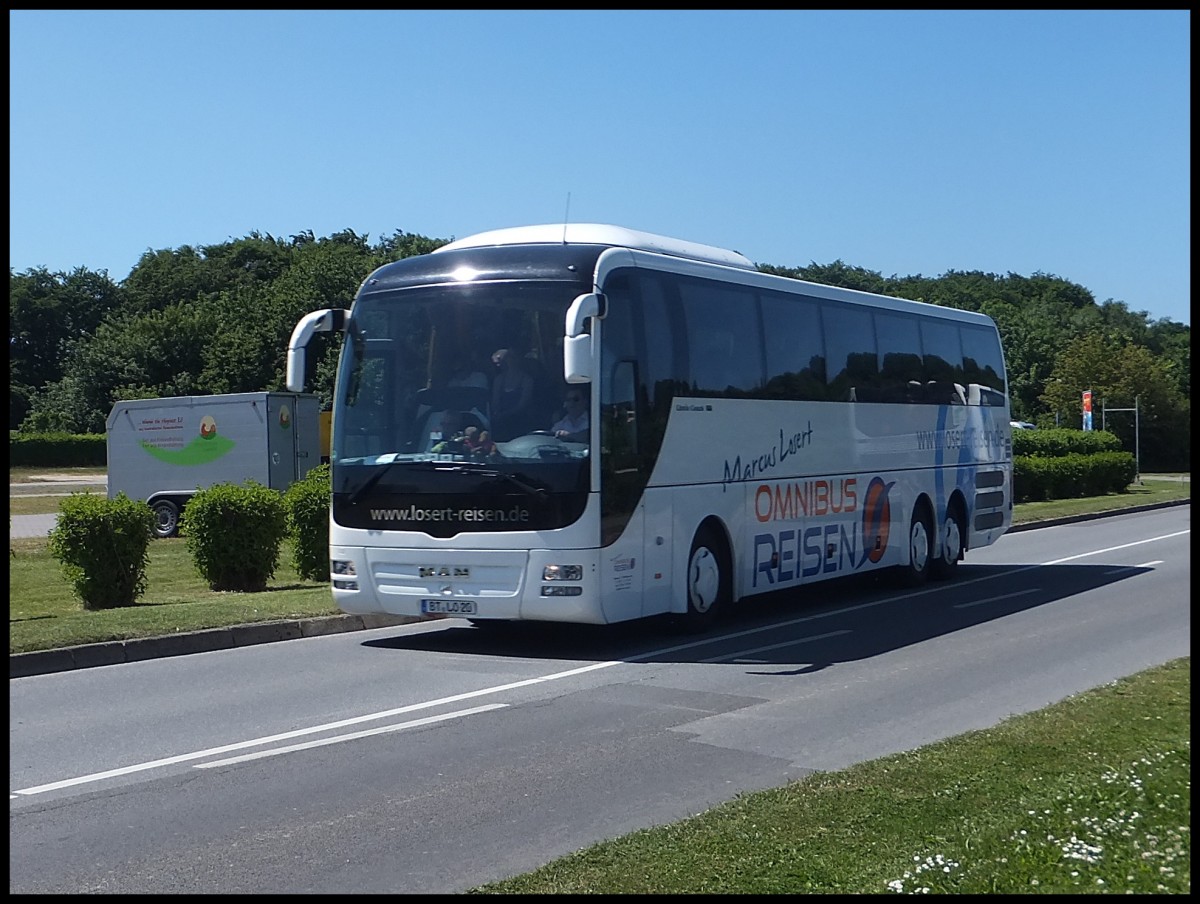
(540, 493)
(523, 485)
(380, 470)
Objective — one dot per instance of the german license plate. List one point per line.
(449, 607)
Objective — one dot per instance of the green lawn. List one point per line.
(1089, 796)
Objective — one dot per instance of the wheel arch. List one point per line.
(718, 529)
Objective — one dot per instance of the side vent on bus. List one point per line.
(988, 498)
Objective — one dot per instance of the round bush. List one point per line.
(104, 548)
(307, 502)
(233, 533)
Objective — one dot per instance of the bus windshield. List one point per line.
(455, 389)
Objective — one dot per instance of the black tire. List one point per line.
(950, 543)
(920, 549)
(166, 518)
(709, 583)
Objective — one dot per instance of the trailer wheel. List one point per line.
(166, 518)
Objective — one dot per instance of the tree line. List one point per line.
(216, 319)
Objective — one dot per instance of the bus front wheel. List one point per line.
(708, 582)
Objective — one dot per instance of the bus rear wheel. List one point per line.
(950, 549)
(920, 549)
(709, 582)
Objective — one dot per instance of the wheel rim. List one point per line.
(951, 540)
(166, 520)
(919, 545)
(704, 579)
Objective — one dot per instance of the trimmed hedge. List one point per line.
(1063, 441)
(57, 450)
(307, 502)
(1071, 476)
(234, 533)
(103, 546)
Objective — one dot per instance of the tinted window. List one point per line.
(943, 362)
(850, 349)
(901, 370)
(724, 338)
(795, 347)
(983, 365)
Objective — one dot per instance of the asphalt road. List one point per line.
(434, 757)
(41, 525)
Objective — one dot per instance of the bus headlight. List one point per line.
(562, 573)
(343, 567)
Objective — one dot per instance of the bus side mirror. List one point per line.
(577, 345)
(317, 322)
(583, 307)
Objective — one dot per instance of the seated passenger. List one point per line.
(451, 435)
(512, 397)
(479, 443)
(573, 425)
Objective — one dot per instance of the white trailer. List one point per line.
(161, 451)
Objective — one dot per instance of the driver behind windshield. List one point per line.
(573, 425)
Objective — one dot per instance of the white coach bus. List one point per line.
(746, 432)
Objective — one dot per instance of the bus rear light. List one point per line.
(562, 573)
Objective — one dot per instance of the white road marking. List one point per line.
(331, 726)
(307, 745)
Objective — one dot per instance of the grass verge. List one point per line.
(1091, 795)
(44, 614)
(1152, 489)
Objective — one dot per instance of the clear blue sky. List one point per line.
(904, 142)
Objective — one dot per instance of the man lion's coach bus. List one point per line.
(741, 432)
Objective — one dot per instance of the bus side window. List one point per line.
(618, 416)
(852, 370)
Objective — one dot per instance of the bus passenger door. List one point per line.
(622, 564)
(623, 561)
(656, 512)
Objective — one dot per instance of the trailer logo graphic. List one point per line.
(285, 417)
(203, 449)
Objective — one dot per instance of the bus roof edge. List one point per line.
(601, 234)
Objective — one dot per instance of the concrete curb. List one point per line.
(24, 665)
(1092, 516)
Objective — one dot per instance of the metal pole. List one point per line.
(1137, 435)
(1137, 438)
